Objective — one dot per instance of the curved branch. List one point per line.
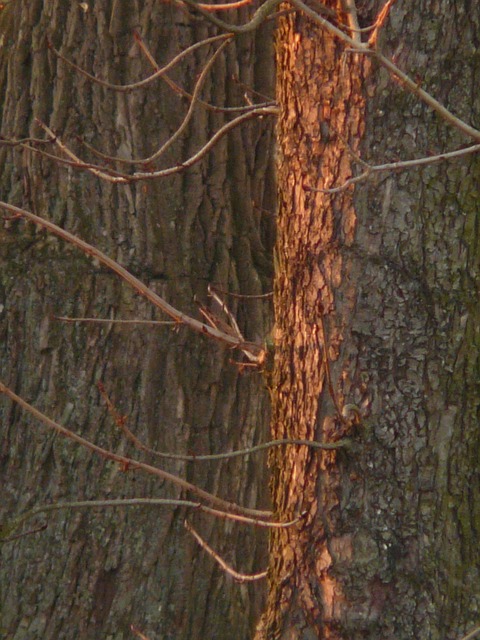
(413, 87)
(137, 284)
(127, 88)
(401, 165)
(132, 464)
(173, 85)
(8, 528)
(259, 16)
(117, 177)
(239, 577)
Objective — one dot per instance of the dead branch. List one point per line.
(114, 321)
(137, 284)
(116, 177)
(132, 464)
(239, 577)
(397, 166)
(177, 89)
(134, 86)
(8, 528)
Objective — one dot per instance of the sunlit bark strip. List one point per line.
(321, 104)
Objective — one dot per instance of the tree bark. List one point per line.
(94, 573)
(377, 286)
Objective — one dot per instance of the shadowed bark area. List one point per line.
(94, 573)
(387, 544)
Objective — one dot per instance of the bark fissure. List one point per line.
(321, 111)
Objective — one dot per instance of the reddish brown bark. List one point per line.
(321, 112)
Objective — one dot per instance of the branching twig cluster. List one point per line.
(228, 333)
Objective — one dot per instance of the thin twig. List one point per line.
(379, 22)
(226, 455)
(138, 633)
(225, 6)
(259, 16)
(116, 177)
(328, 373)
(8, 528)
(239, 577)
(131, 464)
(113, 321)
(472, 634)
(127, 88)
(120, 421)
(12, 142)
(243, 296)
(397, 166)
(173, 85)
(173, 138)
(136, 284)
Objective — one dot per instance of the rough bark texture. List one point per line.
(387, 546)
(92, 574)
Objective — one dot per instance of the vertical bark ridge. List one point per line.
(321, 112)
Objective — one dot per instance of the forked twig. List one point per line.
(132, 464)
(396, 166)
(137, 284)
(116, 177)
(134, 86)
(173, 138)
(173, 85)
(8, 528)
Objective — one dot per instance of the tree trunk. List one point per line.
(92, 574)
(378, 287)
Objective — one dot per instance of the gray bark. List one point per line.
(93, 574)
(388, 545)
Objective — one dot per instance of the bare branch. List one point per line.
(137, 284)
(350, 9)
(397, 166)
(226, 6)
(120, 421)
(114, 321)
(260, 16)
(8, 528)
(413, 87)
(239, 577)
(138, 633)
(243, 296)
(128, 88)
(472, 634)
(173, 85)
(380, 21)
(186, 120)
(131, 464)
(116, 177)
